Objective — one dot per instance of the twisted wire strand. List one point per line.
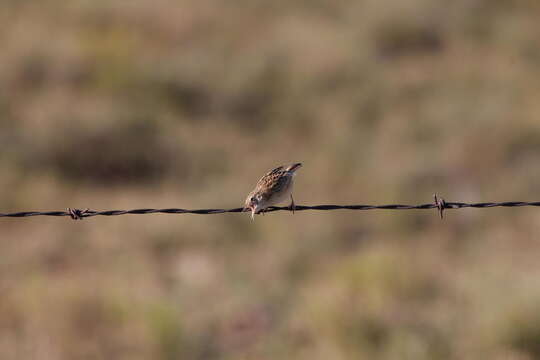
(439, 204)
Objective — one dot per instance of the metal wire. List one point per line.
(439, 204)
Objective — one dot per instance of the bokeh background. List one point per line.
(130, 104)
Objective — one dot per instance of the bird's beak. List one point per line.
(252, 209)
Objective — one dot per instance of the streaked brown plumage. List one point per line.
(273, 188)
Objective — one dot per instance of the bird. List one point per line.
(273, 188)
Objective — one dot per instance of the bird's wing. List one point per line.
(273, 183)
(275, 171)
(263, 182)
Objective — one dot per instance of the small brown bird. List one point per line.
(273, 188)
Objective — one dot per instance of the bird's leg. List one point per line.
(292, 206)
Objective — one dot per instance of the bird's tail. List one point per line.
(293, 167)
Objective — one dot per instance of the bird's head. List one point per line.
(254, 202)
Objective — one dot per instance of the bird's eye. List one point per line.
(253, 199)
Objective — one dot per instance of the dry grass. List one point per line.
(113, 104)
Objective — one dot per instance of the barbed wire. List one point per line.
(439, 204)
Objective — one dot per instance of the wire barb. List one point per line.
(440, 204)
(77, 214)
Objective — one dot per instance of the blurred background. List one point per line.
(130, 104)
